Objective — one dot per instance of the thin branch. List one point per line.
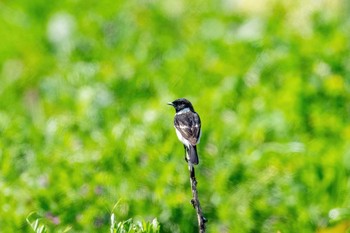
(195, 201)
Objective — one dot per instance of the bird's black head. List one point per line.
(181, 104)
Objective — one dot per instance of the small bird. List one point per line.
(188, 128)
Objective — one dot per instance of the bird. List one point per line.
(187, 125)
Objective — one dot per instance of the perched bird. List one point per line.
(188, 128)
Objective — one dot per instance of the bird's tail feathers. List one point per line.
(192, 155)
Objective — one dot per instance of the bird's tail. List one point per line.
(192, 155)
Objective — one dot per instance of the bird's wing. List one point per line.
(189, 125)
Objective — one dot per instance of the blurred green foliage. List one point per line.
(129, 226)
(84, 121)
(35, 223)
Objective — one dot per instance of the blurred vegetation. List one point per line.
(129, 226)
(84, 121)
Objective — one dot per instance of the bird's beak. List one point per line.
(170, 103)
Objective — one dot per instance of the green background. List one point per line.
(84, 121)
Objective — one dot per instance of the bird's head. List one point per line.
(181, 104)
